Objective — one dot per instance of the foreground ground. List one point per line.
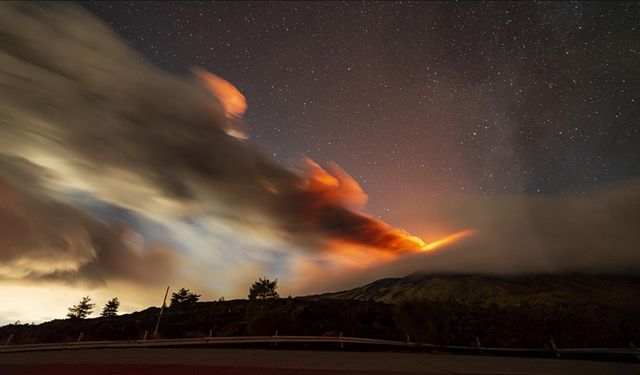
(250, 361)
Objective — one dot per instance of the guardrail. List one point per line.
(199, 341)
(339, 340)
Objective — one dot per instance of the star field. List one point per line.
(490, 138)
(478, 98)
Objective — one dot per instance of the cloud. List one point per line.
(595, 233)
(44, 239)
(78, 101)
(80, 105)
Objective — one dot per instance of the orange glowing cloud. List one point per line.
(337, 187)
(330, 199)
(357, 256)
(335, 200)
(232, 100)
(234, 103)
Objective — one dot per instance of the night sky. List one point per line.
(503, 137)
(488, 98)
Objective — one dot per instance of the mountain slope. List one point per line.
(523, 311)
(502, 290)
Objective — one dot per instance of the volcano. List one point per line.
(505, 291)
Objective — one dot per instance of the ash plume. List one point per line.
(79, 110)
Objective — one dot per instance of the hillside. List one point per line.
(576, 310)
(220, 319)
(505, 291)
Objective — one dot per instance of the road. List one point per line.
(165, 361)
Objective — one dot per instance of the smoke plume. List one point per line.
(81, 112)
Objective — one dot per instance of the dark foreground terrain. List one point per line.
(240, 362)
(577, 311)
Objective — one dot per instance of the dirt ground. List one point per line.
(287, 362)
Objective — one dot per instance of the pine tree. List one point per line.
(184, 296)
(82, 309)
(262, 294)
(264, 289)
(111, 308)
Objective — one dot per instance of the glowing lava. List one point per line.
(355, 255)
(448, 240)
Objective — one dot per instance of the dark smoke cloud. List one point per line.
(77, 99)
(80, 105)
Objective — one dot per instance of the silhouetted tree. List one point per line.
(261, 294)
(264, 289)
(111, 308)
(184, 296)
(82, 309)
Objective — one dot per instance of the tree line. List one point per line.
(261, 290)
(84, 308)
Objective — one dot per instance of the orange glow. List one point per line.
(355, 255)
(335, 201)
(448, 240)
(337, 187)
(319, 175)
(232, 100)
(234, 103)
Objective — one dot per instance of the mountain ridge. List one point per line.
(503, 290)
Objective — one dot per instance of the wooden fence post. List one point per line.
(164, 303)
(554, 347)
(80, 337)
(478, 344)
(9, 340)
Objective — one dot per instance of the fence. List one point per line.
(338, 340)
